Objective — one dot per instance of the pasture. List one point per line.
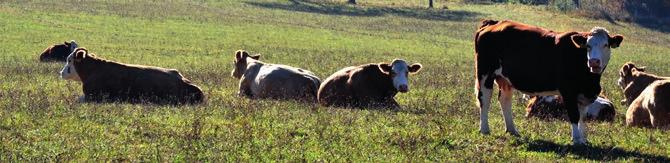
(40, 118)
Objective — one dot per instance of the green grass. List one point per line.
(41, 120)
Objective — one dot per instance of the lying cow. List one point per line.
(369, 85)
(58, 52)
(537, 61)
(274, 81)
(104, 80)
(552, 107)
(647, 95)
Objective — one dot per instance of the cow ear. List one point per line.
(385, 68)
(414, 68)
(239, 54)
(66, 43)
(256, 57)
(579, 40)
(80, 54)
(641, 69)
(615, 41)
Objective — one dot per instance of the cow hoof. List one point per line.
(514, 133)
(485, 132)
(580, 142)
(81, 99)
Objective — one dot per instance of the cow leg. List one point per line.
(505, 99)
(484, 88)
(576, 118)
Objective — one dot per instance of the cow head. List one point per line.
(69, 72)
(240, 63)
(598, 44)
(626, 74)
(399, 70)
(601, 110)
(58, 52)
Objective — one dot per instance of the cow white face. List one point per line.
(69, 72)
(399, 71)
(598, 44)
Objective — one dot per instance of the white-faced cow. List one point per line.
(537, 61)
(109, 81)
(369, 85)
(58, 52)
(647, 95)
(274, 81)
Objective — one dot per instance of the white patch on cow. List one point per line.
(68, 72)
(505, 99)
(619, 82)
(485, 104)
(400, 69)
(598, 49)
(594, 109)
(577, 137)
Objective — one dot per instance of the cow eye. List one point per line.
(605, 45)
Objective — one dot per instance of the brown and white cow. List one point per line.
(274, 81)
(58, 52)
(537, 61)
(108, 81)
(647, 95)
(369, 85)
(552, 107)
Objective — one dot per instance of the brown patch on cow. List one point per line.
(57, 52)
(109, 81)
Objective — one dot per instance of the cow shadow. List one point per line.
(351, 10)
(592, 152)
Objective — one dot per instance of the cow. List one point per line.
(646, 94)
(537, 61)
(273, 81)
(369, 85)
(552, 107)
(108, 81)
(58, 52)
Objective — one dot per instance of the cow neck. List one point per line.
(385, 81)
(91, 65)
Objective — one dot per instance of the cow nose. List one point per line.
(594, 62)
(403, 88)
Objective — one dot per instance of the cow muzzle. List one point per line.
(403, 88)
(594, 66)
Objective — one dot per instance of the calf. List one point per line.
(647, 96)
(537, 61)
(263, 80)
(546, 107)
(104, 80)
(58, 52)
(369, 85)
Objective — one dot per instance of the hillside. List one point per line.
(41, 120)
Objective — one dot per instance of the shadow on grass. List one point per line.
(350, 10)
(592, 152)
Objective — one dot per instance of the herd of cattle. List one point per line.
(559, 71)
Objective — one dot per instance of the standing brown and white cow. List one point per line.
(647, 95)
(104, 80)
(537, 61)
(369, 85)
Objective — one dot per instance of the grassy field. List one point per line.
(41, 120)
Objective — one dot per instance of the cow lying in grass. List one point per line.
(109, 81)
(369, 85)
(648, 96)
(58, 52)
(273, 81)
(552, 107)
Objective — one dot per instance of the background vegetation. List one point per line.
(41, 120)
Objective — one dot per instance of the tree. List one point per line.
(352, 1)
(430, 3)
